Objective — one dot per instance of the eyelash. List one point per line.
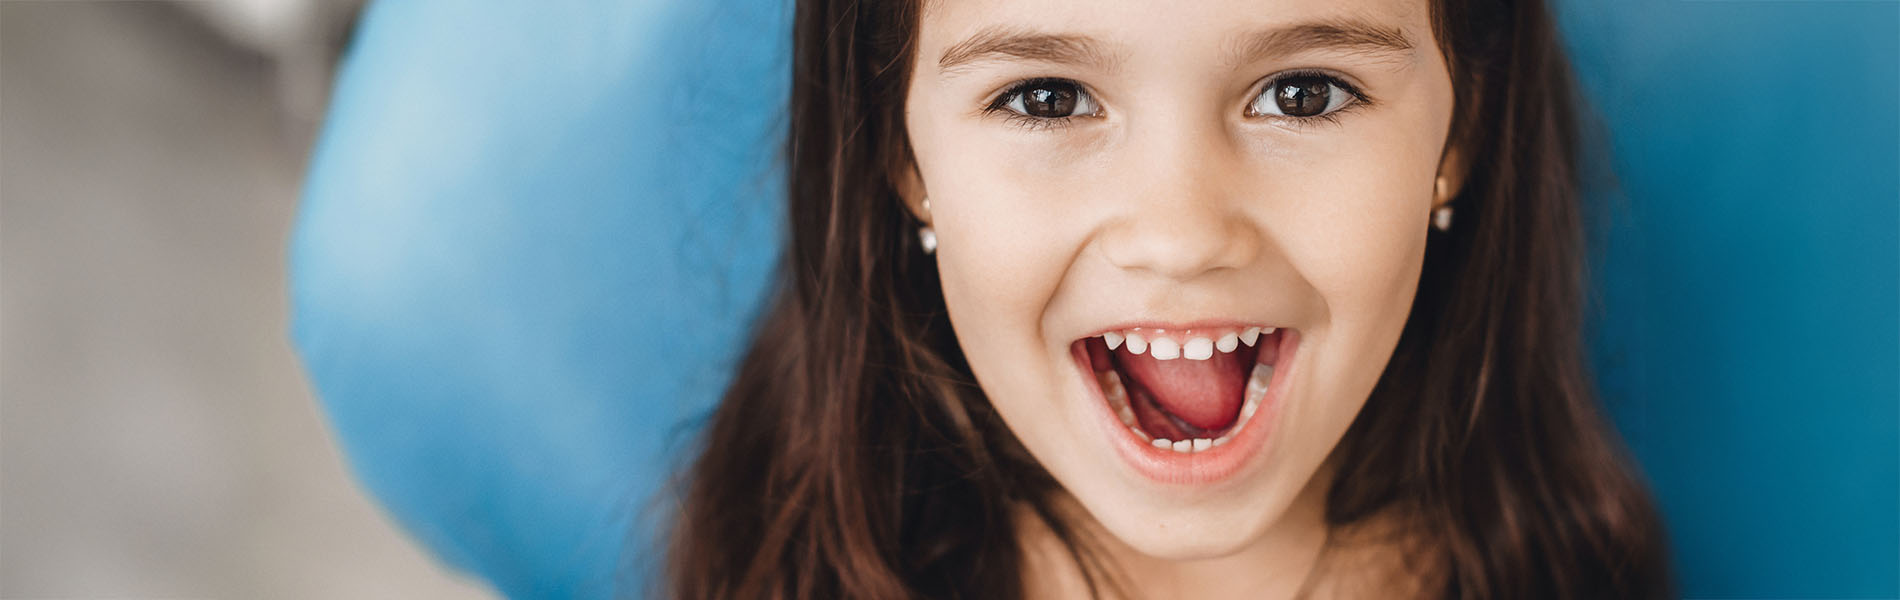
(1034, 123)
(1029, 122)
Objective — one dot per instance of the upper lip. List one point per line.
(1216, 323)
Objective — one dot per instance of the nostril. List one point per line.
(1181, 246)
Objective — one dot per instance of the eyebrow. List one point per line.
(1340, 34)
(1005, 42)
(1002, 42)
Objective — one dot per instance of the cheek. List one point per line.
(1355, 232)
(1353, 224)
(1362, 252)
(998, 277)
(1000, 260)
(1351, 217)
(1362, 257)
(1000, 252)
(1356, 223)
(1006, 235)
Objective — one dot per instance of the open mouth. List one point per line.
(1187, 391)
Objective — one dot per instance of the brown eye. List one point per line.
(1048, 99)
(1302, 96)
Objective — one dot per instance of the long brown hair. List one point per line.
(854, 456)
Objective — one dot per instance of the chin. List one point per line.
(1185, 534)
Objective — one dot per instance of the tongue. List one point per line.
(1203, 393)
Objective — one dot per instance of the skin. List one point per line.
(1173, 204)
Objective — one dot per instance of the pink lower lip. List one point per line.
(1209, 466)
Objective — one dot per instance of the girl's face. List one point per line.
(1233, 195)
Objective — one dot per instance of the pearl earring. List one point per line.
(1441, 216)
(926, 236)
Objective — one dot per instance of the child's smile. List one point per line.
(1183, 394)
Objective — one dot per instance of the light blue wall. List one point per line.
(534, 232)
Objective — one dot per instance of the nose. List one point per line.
(1187, 218)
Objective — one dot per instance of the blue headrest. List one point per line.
(533, 236)
(535, 232)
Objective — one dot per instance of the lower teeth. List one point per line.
(1117, 394)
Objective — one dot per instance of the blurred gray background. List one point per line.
(156, 435)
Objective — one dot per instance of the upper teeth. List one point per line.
(1164, 348)
(1198, 346)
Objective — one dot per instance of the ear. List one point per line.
(910, 188)
(1451, 171)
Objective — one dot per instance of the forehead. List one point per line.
(1107, 34)
(1164, 12)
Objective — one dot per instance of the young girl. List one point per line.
(1213, 299)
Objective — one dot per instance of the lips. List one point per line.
(1185, 405)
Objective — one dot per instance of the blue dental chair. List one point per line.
(534, 235)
